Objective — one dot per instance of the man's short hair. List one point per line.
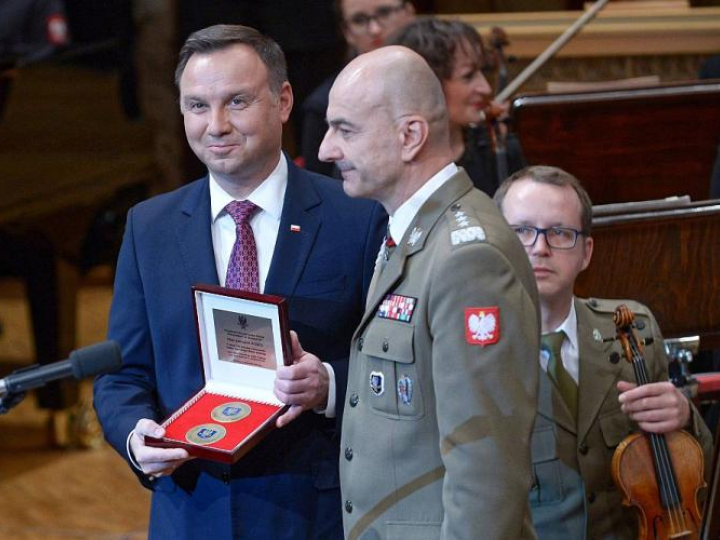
(545, 174)
(222, 36)
(437, 40)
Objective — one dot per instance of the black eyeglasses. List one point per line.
(556, 237)
(360, 22)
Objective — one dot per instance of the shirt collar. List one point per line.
(569, 325)
(404, 215)
(269, 195)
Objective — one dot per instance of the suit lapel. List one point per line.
(194, 235)
(292, 249)
(597, 373)
(418, 231)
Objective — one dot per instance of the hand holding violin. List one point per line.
(656, 407)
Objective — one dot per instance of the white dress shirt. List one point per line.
(404, 215)
(265, 223)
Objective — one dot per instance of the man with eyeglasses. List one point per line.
(586, 405)
(365, 24)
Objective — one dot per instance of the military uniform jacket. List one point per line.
(443, 381)
(573, 495)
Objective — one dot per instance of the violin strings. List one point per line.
(666, 481)
(665, 478)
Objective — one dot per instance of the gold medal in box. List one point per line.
(231, 412)
(243, 337)
(206, 434)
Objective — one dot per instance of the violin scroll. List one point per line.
(623, 316)
(631, 345)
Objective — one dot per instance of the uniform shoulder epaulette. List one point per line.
(464, 225)
(608, 305)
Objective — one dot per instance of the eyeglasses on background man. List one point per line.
(360, 22)
(556, 237)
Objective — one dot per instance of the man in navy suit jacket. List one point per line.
(316, 247)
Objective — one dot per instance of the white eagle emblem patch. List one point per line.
(482, 325)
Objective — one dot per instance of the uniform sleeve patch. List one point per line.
(482, 325)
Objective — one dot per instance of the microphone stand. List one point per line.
(11, 399)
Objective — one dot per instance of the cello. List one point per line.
(659, 475)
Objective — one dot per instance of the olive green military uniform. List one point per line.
(442, 389)
(573, 496)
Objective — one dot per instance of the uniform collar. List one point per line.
(404, 215)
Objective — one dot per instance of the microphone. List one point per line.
(85, 362)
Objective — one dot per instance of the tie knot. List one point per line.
(553, 341)
(241, 211)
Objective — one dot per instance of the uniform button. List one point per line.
(360, 344)
(592, 302)
(348, 453)
(583, 449)
(455, 207)
(591, 497)
(385, 345)
(348, 507)
(226, 478)
(354, 400)
(614, 358)
(640, 325)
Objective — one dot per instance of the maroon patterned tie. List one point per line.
(242, 270)
(389, 246)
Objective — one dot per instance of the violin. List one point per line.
(659, 475)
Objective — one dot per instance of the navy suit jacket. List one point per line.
(287, 486)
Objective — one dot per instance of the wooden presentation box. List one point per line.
(243, 338)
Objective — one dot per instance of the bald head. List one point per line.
(388, 126)
(399, 81)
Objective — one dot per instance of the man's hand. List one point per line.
(656, 407)
(303, 386)
(155, 462)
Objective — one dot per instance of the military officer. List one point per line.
(587, 404)
(443, 383)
